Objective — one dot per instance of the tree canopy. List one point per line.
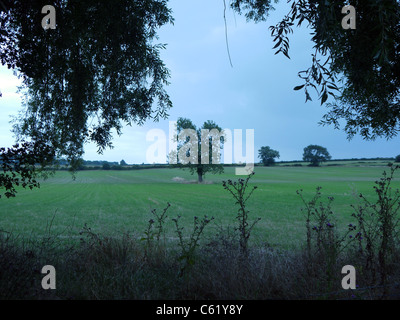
(19, 165)
(359, 69)
(198, 148)
(316, 154)
(98, 70)
(268, 155)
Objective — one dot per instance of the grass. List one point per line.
(90, 230)
(120, 201)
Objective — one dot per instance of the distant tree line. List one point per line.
(63, 165)
(313, 154)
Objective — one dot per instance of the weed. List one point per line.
(238, 191)
(323, 238)
(378, 226)
(189, 246)
(155, 228)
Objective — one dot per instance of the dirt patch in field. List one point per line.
(182, 180)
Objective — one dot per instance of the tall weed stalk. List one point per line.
(238, 191)
(379, 226)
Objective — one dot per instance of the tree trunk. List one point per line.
(200, 175)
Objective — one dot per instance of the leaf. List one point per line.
(308, 97)
(277, 45)
(324, 97)
(286, 54)
(181, 258)
(299, 87)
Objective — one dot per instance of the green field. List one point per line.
(121, 201)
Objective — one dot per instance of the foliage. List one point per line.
(268, 155)
(99, 69)
(322, 232)
(188, 247)
(315, 154)
(238, 191)
(359, 68)
(375, 235)
(106, 166)
(158, 225)
(254, 10)
(195, 156)
(379, 226)
(21, 164)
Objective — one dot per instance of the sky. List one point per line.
(256, 92)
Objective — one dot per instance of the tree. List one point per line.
(268, 155)
(316, 154)
(123, 163)
(106, 166)
(360, 68)
(21, 164)
(198, 148)
(397, 158)
(99, 69)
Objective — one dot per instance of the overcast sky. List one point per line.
(256, 93)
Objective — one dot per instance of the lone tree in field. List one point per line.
(268, 155)
(316, 154)
(198, 148)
